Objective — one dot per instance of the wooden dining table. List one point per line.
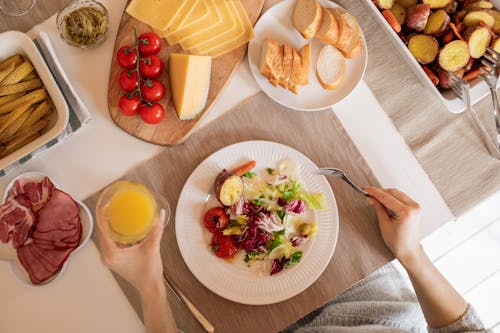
(360, 249)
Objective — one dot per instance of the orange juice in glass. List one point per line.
(126, 211)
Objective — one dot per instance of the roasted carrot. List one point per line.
(472, 74)
(432, 76)
(456, 29)
(448, 37)
(392, 20)
(244, 168)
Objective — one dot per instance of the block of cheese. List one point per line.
(227, 23)
(216, 48)
(189, 82)
(194, 11)
(159, 14)
(214, 17)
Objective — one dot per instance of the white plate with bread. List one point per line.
(312, 69)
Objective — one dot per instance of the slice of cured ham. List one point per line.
(39, 192)
(59, 212)
(16, 221)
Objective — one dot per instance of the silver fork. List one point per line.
(490, 74)
(341, 174)
(462, 90)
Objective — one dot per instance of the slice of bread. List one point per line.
(305, 54)
(330, 68)
(277, 67)
(328, 31)
(296, 75)
(270, 48)
(345, 30)
(307, 17)
(287, 65)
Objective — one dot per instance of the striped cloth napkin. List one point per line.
(79, 115)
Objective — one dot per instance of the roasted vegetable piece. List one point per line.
(416, 17)
(244, 168)
(475, 4)
(16, 144)
(15, 59)
(228, 188)
(20, 87)
(407, 3)
(11, 118)
(451, 8)
(6, 72)
(444, 78)
(384, 4)
(454, 55)
(496, 24)
(15, 126)
(432, 76)
(399, 13)
(495, 44)
(424, 48)
(457, 30)
(19, 73)
(478, 39)
(392, 20)
(437, 22)
(436, 4)
(472, 75)
(447, 37)
(32, 97)
(473, 18)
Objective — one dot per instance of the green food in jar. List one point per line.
(85, 26)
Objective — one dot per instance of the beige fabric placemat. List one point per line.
(320, 136)
(445, 144)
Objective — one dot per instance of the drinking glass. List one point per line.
(16, 7)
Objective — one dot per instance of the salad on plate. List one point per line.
(268, 215)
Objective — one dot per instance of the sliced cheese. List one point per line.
(235, 32)
(159, 14)
(189, 82)
(214, 17)
(194, 11)
(216, 49)
(227, 23)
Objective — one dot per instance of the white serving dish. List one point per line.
(478, 91)
(8, 253)
(12, 42)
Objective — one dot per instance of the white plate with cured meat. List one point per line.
(276, 23)
(41, 226)
(240, 283)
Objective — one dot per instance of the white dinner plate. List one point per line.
(234, 280)
(277, 23)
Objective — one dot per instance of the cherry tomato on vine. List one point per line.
(127, 57)
(152, 90)
(128, 80)
(215, 219)
(224, 247)
(152, 114)
(149, 43)
(129, 105)
(150, 67)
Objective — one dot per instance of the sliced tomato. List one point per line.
(224, 247)
(129, 105)
(152, 90)
(151, 66)
(152, 114)
(128, 80)
(149, 43)
(215, 219)
(127, 57)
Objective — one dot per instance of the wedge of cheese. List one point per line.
(227, 23)
(214, 17)
(159, 14)
(189, 82)
(194, 11)
(216, 48)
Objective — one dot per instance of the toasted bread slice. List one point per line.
(307, 17)
(287, 65)
(296, 75)
(330, 68)
(277, 67)
(328, 31)
(355, 49)
(305, 54)
(270, 49)
(350, 42)
(345, 30)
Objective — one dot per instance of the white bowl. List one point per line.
(14, 42)
(478, 90)
(7, 251)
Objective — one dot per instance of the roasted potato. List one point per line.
(417, 16)
(479, 39)
(473, 18)
(228, 188)
(437, 23)
(384, 4)
(407, 3)
(399, 13)
(424, 48)
(437, 4)
(454, 55)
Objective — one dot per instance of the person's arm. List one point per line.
(142, 267)
(440, 302)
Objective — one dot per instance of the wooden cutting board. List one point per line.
(171, 130)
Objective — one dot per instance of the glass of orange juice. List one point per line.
(126, 211)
